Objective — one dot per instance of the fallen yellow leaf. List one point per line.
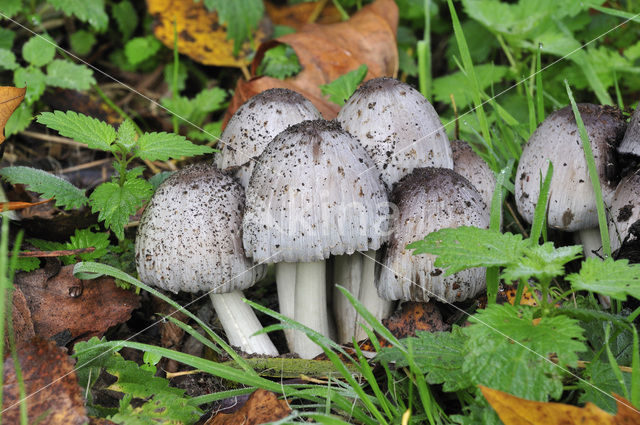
(10, 99)
(517, 411)
(200, 35)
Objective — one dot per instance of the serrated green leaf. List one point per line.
(64, 193)
(33, 79)
(7, 60)
(196, 109)
(68, 75)
(19, 120)
(85, 238)
(160, 409)
(116, 203)
(603, 383)
(541, 262)
(439, 355)
(466, 247)
(126, 135)
(209, 100)
(614, 278)
(126, 17)
(212, 132)
(162, 146)
(279, 62)
(82, 42)
(87, 11)
(39, 50)
(81, 128)
(508, 352)
(27, 264)
(10, 7)
(341, 89)
(241, 18)
(139, 49)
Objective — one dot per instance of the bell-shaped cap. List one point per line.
(397, 126)
(473, 168)
(256, 123)
(313, 193)
(631, 142)
(427, 200)
(190, 234)
(572, 202)
(624, 220)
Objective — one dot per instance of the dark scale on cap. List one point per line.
(428, 200)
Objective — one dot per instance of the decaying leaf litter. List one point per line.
(380, 16)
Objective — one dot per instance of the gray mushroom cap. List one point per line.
(190, 235)
(256, 123)
(311, 195)
(572, 204)
(625, 212)
(473, 168)
(631, 142)
(397, 126)
(430, 199)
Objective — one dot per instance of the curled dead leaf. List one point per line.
(298, 15)
(59, 301)
(200, 35)
(54, 397)
(329, 51)
(10, 99)
(517, 411)
(262, 406)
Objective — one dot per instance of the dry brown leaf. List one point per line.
(329, 51)
(415, 316)
(200, 36)
(517, 411)
(10, 99)
(99, 303)
(262, 406)
(298, 15)
(22, 325)
(50, 381)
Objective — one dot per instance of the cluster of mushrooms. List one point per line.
(291, 189)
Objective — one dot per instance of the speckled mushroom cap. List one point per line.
(310, 196)
(572, 204)
(625, 211)
(256, 123)
(473, 168)
(397, 126)
(631, 143)
(430, 199)
(190, 235)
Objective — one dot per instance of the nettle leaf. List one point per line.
(541, 262)
(126, 135)
(508, 352)
(87, 11)
(615, 278)
(47, 185)
(33, 79)
(27, 264)
(126, 17)
(241, 17)
(116, 203)
(162, 146)
(39, 50)
(209, 100)
(279, 62)
(68, 75)
(139, 49)
(341, 89)
(160, 409)
(7, 60)
(81, 128)
(603, 383)
(466, 247)
(85, 238)
(439, 355)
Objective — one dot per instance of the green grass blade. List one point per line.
(613, 363)
(540, 212)
(220, 395)
(493, 273)
(593, 175)
(635, 370)
(90, 270)
(539, 89)
(423, 50)
(618, 13)
(191, 331)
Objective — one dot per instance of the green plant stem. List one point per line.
(539, 90)
(521, 285)
(343, 13)
(423, 49)
(634, 315)
(593, 175)
(174, 81)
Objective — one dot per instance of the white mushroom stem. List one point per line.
(357, 274)
(286, 284)
(591, 245)
(240, 323)
(310, 306)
